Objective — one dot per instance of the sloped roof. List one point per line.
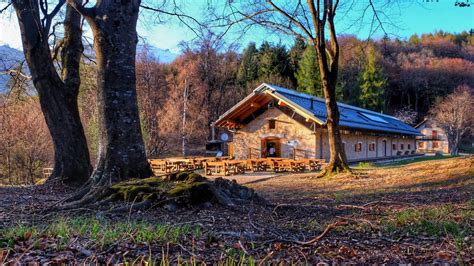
(314, 108)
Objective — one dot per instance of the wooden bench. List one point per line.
(160, 166)
(219, 168)
(236, 166)
(312, 164)
(254, 165)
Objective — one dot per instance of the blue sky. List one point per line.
(402, 20)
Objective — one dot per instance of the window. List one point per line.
(374, 118)
(394, 146)
(372, 147)
(271, 124)
(358, 147)
(434, 134)
(402, 146)
(435, 144)
(421, 145)
(409, 146)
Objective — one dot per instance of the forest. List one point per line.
(391, 76)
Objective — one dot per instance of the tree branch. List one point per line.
(180, 16)
(290, 18)
(376, 15)
(49, 17)
(87, 12)
(6, 7)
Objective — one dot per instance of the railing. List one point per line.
(302, 154)
(438, 138)
(254, 153)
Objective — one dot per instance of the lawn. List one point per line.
(402, 162)
(416, 212)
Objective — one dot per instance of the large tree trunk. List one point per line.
(58, 98)
(453, 143)
(121, 148)
(337, 159)
(328, 61)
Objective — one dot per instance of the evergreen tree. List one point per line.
(274, 61)
(307, 75)
(296, 53)
(248, 69)
(372, 83)
(414, 39)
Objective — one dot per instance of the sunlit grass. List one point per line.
(101, 231)
(447, 220)
(401, 162)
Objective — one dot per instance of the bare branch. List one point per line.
(87, 12)
(376, 15)
(49, 17)
(180, 15)
(290, 18)
(6, 7)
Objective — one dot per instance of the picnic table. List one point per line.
(225, 166)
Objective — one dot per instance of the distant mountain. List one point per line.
(9, 58)
(163, 55)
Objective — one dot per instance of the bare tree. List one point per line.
(25, 145)
(453, 114)
(57, 92)
(309, 21)
(152, 89)
(121, 148)
(406, 115)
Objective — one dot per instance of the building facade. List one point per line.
(278, 122)
(434, 139)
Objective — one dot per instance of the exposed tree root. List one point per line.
(332, 169)
(182, 189)
(324, 233)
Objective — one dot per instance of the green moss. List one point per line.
(193, 177)
(181, 185)
(182, 188)
(191, 193)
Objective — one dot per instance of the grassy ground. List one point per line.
(412, 212)
(402, 162)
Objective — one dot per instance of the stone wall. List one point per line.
(382, 146)
(308, 144)
(286, 130)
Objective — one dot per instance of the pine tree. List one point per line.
(248, 69)
(372, 83)
(296, 53)
(273, 61)
(307, 75)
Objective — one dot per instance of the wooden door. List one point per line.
(271, 144)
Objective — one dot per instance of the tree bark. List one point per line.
(58, 97)
(328, 60)
(121, 147)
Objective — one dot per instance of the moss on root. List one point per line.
(186, 188)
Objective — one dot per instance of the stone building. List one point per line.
(434, 139)
(279, 122)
